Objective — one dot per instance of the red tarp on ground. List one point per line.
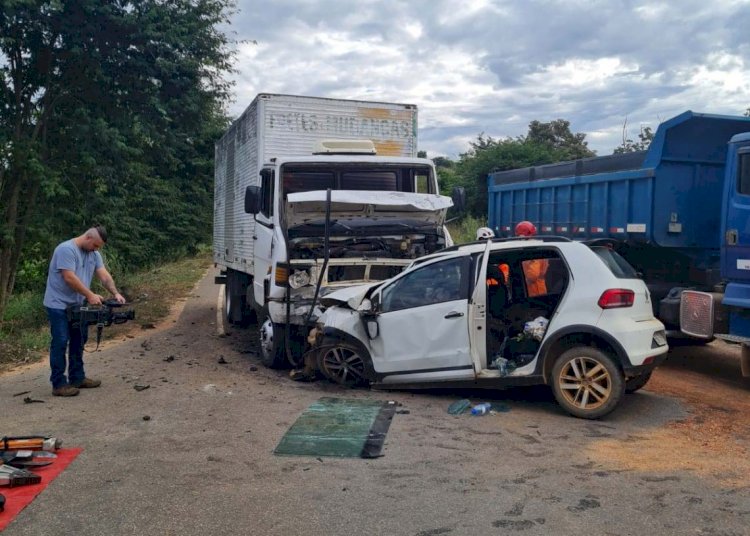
(16, 499)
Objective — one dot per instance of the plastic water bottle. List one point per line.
(481, 409)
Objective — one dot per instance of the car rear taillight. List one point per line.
(616, 297)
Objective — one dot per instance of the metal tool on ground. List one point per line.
(49, 444)
(27, 458)
(12, 476)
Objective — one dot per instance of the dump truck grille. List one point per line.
(697, 314)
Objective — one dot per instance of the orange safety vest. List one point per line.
(535, 270)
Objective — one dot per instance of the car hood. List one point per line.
(350, 296)
(306, 207)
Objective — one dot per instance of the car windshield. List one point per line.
(619, 267)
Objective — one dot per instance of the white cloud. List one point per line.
(492, 66)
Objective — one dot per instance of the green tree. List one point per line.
(544, 143)
(106, 109)
(556, 135)
(628, 145)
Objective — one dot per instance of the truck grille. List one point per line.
(697, 314)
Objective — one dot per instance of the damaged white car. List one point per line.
(498, 314)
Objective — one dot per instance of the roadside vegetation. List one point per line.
(24, 333)
(465, 229)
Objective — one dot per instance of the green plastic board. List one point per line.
(347, 428)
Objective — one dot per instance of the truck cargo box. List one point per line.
(278, 126)
(669, 196)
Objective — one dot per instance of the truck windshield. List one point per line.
(619, 266)
(414, 179)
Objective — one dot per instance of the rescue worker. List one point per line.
(534, 270)
(485, 233)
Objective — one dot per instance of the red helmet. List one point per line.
(525, 228)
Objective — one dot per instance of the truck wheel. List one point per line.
(587, 383)
(343, 364)
(636, 382)
(233, 308)
(271, 343)
(236, 309)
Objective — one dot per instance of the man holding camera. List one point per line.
(73, 265)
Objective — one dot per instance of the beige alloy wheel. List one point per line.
(587, 382)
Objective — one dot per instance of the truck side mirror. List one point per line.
(252, 199)
(459, 198)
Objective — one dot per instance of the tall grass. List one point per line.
(465, 229)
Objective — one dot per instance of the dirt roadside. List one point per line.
(714, 439)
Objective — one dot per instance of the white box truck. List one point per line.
(312, 195)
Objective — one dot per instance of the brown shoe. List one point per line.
(87, 383)
(65, 390)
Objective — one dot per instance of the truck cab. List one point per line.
(340, 217)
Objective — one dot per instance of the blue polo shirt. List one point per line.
(68, 256)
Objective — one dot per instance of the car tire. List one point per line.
(587, 382)
(343, 364)
(637, 382)
(271, 343)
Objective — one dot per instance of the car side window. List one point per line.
(435, 283)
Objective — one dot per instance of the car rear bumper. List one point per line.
(644, 341)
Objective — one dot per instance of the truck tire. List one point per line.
(271, 343)
(637, 382)
(236, 309)
(587, 382)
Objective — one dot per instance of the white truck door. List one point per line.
(263, 238)
(423, 323)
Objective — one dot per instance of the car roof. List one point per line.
(500, 244)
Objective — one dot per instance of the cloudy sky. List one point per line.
(492, 66)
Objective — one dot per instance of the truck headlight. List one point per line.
(299, 279)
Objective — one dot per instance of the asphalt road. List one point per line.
(203, 462)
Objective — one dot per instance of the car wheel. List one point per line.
(271, 343)
(343, 364)
(587, 382)
(636, 382)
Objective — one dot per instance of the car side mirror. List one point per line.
(252, 199)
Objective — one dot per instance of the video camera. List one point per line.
(81, 316)
(102, 315)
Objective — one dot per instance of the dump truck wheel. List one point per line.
(636, 382)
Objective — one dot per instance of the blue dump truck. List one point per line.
(678, 212)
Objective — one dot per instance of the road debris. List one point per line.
(141, 387)
(460, 406)
(29, 400)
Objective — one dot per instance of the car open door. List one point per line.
(423, 324)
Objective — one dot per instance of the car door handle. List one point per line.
(454, 314)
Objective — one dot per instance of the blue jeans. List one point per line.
(65, 338)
